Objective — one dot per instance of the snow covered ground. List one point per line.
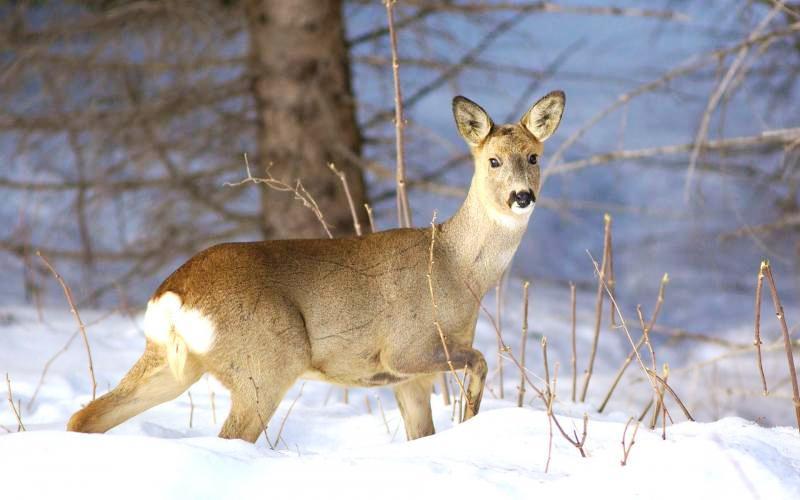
(331, 449)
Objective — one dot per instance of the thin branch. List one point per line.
(369, 216)
(298, 190)
(343, 178)
(776, 301)
(645, 335)
(523, 343)
(403, 211)
(503, 347)
(598, 305)
(77, 316)
(574, 360)
(777, 137)
(652, 376)
(14, 408)
(212, 398)
(288, 412)
(498, 310)
(626, 449)
(436, 324)
(693, 64)
(383, 415)
(191, 409)
(757, 339)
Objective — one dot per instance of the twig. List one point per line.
(574, 348)
(499, 347)
(343, 178)
(646, 410)
(652, 376)
(298, 190)
(612, 280)
(57, 354)
(649, 327)
(212, 398)
(191, 409)
(659, 397)
(503, 347)
(775, 137)
(366, 403)
(286, 417)
(627, 449)
(74, 311)
(14, 409)
(260, 417)
(776, 301)
(598, 305)
(548, 393)
(757, 339)
(521, 394)
(436, 324)
(551, 398)
(576, 442)
(383, 415)
(403, 211)
(369, 216)
(673, 394)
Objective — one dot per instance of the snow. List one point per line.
(331, 449)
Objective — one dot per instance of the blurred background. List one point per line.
(122, 121)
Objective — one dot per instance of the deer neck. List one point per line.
(479, 242)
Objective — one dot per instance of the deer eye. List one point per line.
(494, 162)
(533, 158)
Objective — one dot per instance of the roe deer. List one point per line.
(352, 311)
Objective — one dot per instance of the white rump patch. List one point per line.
(166, 316)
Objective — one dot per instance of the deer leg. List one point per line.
(414, 400)
(148, 383)
(437, 362)
(260, 373)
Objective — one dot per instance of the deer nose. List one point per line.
(523, 198)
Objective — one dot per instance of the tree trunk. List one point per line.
(306, 113)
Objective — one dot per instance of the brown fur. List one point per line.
(352, 311)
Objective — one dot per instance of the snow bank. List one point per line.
(499, 454)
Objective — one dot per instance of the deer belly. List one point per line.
(374, 379)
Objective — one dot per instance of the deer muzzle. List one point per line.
(522, 201)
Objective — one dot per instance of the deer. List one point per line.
(353, 311)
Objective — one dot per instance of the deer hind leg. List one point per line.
(148, 383)
(414, 400)
(261, 369)
(252, 407)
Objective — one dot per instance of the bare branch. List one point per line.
(74, 310)
(14, 408)
(403, 210)
(776, 301)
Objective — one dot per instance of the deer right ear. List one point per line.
(473, 123)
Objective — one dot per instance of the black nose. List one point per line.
(523, 198)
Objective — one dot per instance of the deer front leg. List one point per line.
(436, 361)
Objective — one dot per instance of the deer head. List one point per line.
(507, 175)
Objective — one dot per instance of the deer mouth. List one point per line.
(522, 202)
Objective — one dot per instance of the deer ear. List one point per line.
(544, 116)
(473, 123)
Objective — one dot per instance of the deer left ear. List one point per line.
(544, 116)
